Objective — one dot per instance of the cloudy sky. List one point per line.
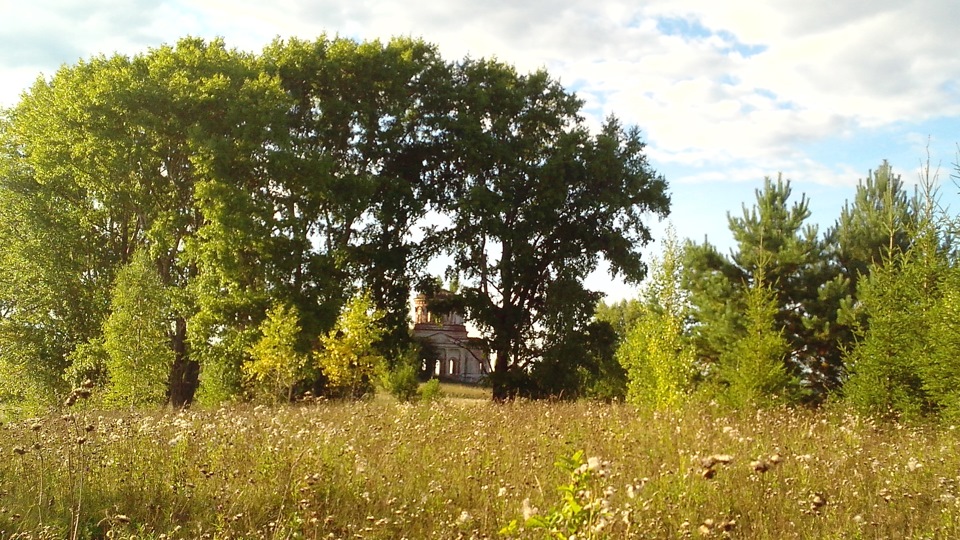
(724, 92)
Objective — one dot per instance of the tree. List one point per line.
(875, 229)
(108, 156)
(276, 365)
(903, 361)
(347, 354)
(136, 336)
(659, 361)
(621, 316)
(537, 203)
(771, 233)
(753, 371)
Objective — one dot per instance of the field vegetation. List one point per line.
(462, 469)
(207, 265)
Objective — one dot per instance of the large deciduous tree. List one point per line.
(539, 200)
(297, 177)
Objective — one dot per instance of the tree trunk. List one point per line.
(185, 373)
(502, 388)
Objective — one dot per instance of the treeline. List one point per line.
(865, 312)
(197, 222)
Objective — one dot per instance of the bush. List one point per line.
(402, 382)
(431, 391)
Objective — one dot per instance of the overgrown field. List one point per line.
(462, 469)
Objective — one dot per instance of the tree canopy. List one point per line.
(296, 177)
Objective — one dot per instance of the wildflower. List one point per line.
(528, 510)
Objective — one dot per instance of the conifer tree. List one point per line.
(773, 233)
(753, 370)
(904, 359)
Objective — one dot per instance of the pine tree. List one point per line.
(773, 234)
(753, 371)
(901, 364)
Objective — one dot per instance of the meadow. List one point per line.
(462, 467)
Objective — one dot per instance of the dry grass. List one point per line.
(446, 470)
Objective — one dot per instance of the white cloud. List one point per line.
(753, 83)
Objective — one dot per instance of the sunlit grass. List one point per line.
(451, 469)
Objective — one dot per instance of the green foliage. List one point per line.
(430, 391)
(622, 316)
(276, 365)
(659, 361)
(772, 233)
(941, 371)
(403, 379)
(581, 511)
(753, 372)
(348, 356)
(295, 175)
(898, 364)
(136, 336)
(88, 362)
(524, 230)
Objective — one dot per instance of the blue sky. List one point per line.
(724, 92)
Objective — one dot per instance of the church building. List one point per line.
(459, 357)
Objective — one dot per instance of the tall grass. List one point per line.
(454, 470)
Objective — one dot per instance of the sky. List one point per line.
(725, 93)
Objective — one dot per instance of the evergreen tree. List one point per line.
(875, 229)
(903, 362)
(773, 234)
(753, 371)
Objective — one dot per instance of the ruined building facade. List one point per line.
(459, 357)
